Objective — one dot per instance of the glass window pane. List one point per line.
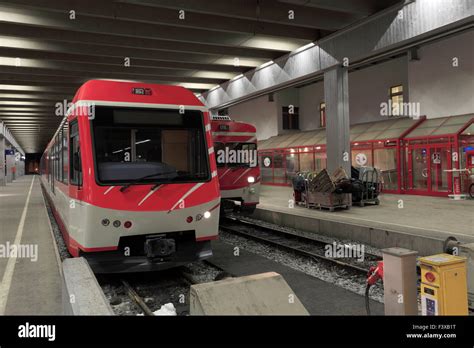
(149, 146)
(386, 161)
(266, 167)
(279, 173)
(396, 89)
(292, 166)
(320, 161)
(306, 162)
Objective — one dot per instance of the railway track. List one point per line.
(300, 245)
(144, 294)
(140, 302)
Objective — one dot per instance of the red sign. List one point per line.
(457, 185)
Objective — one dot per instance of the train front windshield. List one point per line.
(149, 146)
(236, 154)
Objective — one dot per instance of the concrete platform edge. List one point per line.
(373, 236)
(82, 294)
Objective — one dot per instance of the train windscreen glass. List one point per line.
(149, 146)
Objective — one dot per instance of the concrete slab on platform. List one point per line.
(258, 294)
(317, 296)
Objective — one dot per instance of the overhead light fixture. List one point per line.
(264, 65)
(302, 48)
(191, 85)
(237, 77)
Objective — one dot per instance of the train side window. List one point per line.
(65, 155)
(75, 172)
(60, 155)
(55, 158)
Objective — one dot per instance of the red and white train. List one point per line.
(235, 145)
(131, 177)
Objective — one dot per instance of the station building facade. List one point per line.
(421, 146)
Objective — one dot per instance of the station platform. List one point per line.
(423, 224)
(30, 274)
(318, 297)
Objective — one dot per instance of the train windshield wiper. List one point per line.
(137, 181)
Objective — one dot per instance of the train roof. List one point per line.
(135, 92)
(233, 126)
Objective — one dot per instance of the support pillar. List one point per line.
(3, 164)
(10, 162)
(336, 97)
(399, 281)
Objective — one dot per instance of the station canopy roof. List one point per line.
(393, 128)
(442, 126)
(469, 130)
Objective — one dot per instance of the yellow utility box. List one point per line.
(443, 285)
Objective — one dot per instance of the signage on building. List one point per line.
(267, 161)
(436, 158)
(361, 159)
(9, 152)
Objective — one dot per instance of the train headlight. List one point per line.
(117, 223)
(206, 215)
(251, 179)
(105, 222)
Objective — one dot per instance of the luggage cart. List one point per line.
(371, 186)
(328, 200)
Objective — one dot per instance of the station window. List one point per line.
(322, 114)
(290, 116)
(396, 99)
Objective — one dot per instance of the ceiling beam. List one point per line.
(55, 75)
(112, 60)
(270, 11)
(128, 44)
(61, 20)
(109, 68)
(154, 15)
(361, 7)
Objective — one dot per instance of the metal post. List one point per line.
(336, 97)
(400, 288)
